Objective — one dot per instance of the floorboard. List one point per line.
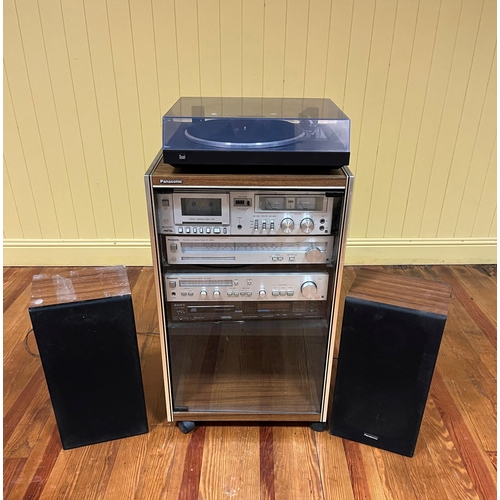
(455, 458)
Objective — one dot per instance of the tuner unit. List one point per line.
(249, 250)
(189, 287)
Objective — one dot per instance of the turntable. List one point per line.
(200, 131)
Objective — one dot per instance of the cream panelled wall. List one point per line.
(87, 81)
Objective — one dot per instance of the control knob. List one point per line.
(216, 294)
(307, 225)
(309, 289)
(313, 254)
(287, 225)
(203, 294)
(262, 294)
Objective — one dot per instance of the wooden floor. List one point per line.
(455, 456)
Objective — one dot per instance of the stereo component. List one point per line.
(249, 250)
(189, 312)
(237, 287)
(245, 213)
(259, 131)
(83, 321)
(391, 333)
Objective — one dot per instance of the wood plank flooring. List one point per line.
(455, 456)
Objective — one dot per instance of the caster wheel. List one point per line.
(186, 427)
(318, 426)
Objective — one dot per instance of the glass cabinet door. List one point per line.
(261, 366)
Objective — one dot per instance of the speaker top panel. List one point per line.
(79, 284)
(401, 291)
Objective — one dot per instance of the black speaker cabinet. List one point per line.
(391, 333)
(84, 327)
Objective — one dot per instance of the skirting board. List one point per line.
(360, 251)
(402, 251)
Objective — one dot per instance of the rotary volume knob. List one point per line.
(287, 225)
(307, 225)
(309, 289)
(313, 255)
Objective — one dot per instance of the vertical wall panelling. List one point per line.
(209, 44)
(166, 52)
(481, 160)
(129, 125)
(317, 47)
(86, 84)
(188, 47)
(373, 111)
(275, 13)
(452, 115)
(473, 113)
(12, 227)
(25, 120)
(17, 171)
(339, 40)
(96, 16)
(415, 91)
(141, 16)
(485, 219)
(357, 70)
(45, 118)
(409, 69)
(252, 46)
(297, 24)
(76, 34)
(436, 87)
(68, 126)
(230, 43)
(493, 226)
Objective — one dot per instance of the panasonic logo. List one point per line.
(170, 181)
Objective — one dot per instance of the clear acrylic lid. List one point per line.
(250, 123)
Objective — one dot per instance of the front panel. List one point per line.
(246, 286)
(245, 213)
(386, 361)
(249, 250)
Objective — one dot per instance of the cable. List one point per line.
(25, 342)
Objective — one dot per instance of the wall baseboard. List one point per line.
(360, 251)
(406, 251)
(99, 252)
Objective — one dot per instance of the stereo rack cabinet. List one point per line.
(269, 368)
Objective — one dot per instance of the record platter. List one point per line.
(276, 132)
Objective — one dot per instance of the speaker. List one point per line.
(85, 332)
(391, 333)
